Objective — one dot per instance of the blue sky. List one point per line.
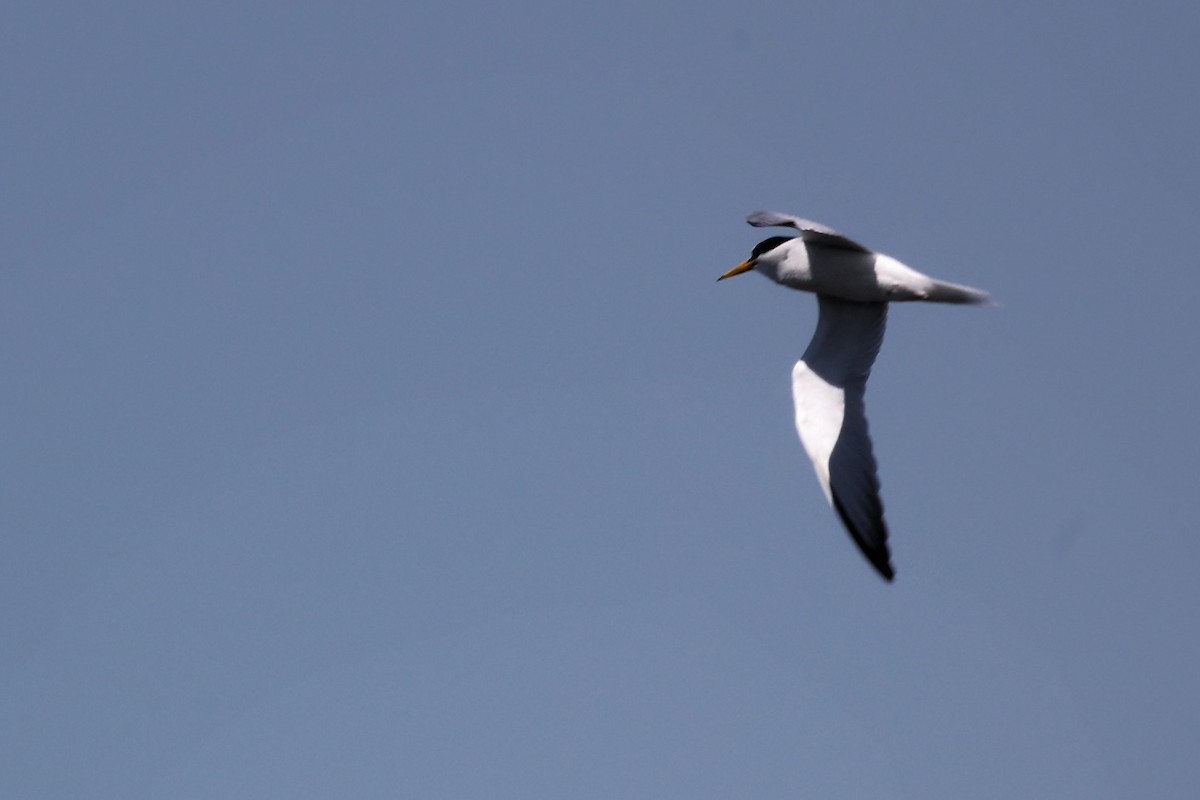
(376, 427)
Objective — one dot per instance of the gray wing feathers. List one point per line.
(839, 359)
(847, 340)
(774, 219)
(810, 231)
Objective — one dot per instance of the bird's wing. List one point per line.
(828, 385)
(810, 231)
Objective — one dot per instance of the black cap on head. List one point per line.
(767, 245)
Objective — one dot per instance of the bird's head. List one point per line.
(765, 258)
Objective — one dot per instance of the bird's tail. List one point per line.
(944, 292)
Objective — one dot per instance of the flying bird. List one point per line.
(853, 285)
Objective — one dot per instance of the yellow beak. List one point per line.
(745, 266)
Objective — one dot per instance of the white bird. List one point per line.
(853, 285)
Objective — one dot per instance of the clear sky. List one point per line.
(375, 426)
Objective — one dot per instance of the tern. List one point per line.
(853, 285)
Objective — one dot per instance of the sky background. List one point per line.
(375, 426)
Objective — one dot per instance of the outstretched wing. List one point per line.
(828, 385)
(810, 231)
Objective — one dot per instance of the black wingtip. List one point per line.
(885, 569)
(880, 557)
(882, 562)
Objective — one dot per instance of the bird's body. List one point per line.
(824, 262)
(853, 286)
